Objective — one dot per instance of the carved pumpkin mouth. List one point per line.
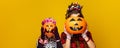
(76, 28)
(49, 30)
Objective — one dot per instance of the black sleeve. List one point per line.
(40, 45)
(90, 35)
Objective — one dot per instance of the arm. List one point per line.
(65, 38)
(40, 43)
(90, 42)
(67, 44)
(88, 38)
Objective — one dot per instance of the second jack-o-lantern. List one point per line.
(75, 25)
(49, 26)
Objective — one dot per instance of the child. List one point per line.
(49, 35)
(76, 34)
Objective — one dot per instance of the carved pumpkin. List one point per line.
(75, 24)
(49, 26)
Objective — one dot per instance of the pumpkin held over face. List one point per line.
(48, 29)
(75, 25)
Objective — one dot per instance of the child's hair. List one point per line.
(74, 8)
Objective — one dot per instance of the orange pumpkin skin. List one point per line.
(75, 25)
(49, 26)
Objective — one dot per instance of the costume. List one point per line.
(49, 35)
(77, 38)
(75, 25)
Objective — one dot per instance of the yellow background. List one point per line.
(20, 20)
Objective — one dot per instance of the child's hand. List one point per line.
(67, 34)
(84, 34)
(40, 41)
(45, 41)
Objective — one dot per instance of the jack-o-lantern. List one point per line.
(48, 28)
(75, 24)
(49, 24)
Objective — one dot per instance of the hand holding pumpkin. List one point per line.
(67, 34)
(84, 35)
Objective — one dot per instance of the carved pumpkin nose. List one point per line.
(76, 23)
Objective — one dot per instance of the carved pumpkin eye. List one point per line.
(72, 20)
(47, 25)
(79, 19)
